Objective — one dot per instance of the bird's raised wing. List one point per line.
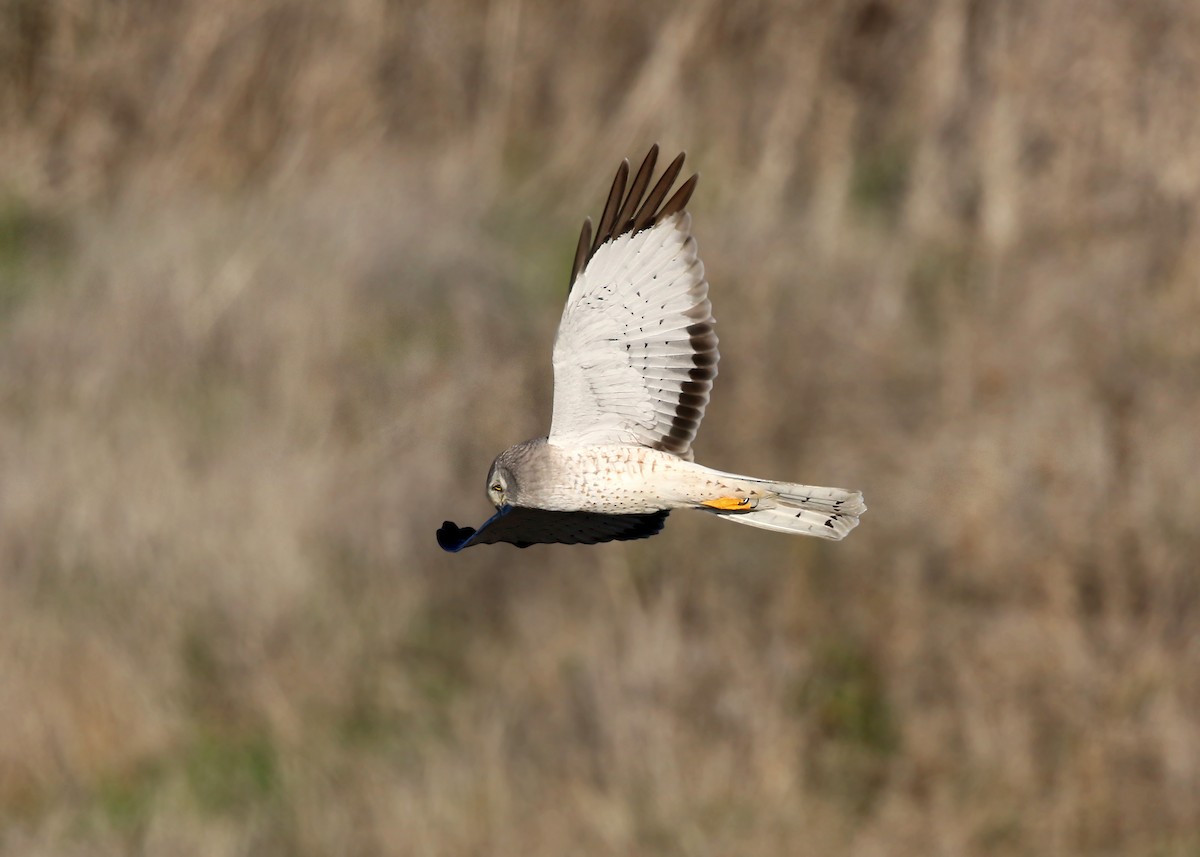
(636, 353)
(524, 527)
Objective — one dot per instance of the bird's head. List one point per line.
(514, 472)
(498, 482)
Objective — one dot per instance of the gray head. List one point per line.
(510, 469)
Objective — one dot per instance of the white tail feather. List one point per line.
(811, 510)
(786, 519)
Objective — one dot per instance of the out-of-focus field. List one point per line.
(278, 279)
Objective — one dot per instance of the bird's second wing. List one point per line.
(524, 527)
(636, 352)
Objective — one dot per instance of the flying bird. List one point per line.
(634, 363)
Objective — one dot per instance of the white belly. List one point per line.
(626, 480)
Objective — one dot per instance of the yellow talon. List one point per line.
(728, 504)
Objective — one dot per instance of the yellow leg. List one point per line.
(728, 504)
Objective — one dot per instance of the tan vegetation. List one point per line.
(278, 278)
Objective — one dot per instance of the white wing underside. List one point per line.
(636, 353)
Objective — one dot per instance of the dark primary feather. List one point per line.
(524, 527)
(638, 189)
(648, 214)
(583, 251)
(609, 218)
(627, 212)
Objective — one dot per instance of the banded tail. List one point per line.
(827, 513)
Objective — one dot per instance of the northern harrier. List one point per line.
(634, 361)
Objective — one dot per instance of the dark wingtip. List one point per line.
(631, 212)
(647, 215)
(608, 219)
(453, 538)
(679, 201)
(636, 191)
(582, 251)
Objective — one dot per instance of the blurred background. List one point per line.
(279, 278)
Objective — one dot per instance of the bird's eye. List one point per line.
(496, 487)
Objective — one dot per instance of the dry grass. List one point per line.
(277, 279)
